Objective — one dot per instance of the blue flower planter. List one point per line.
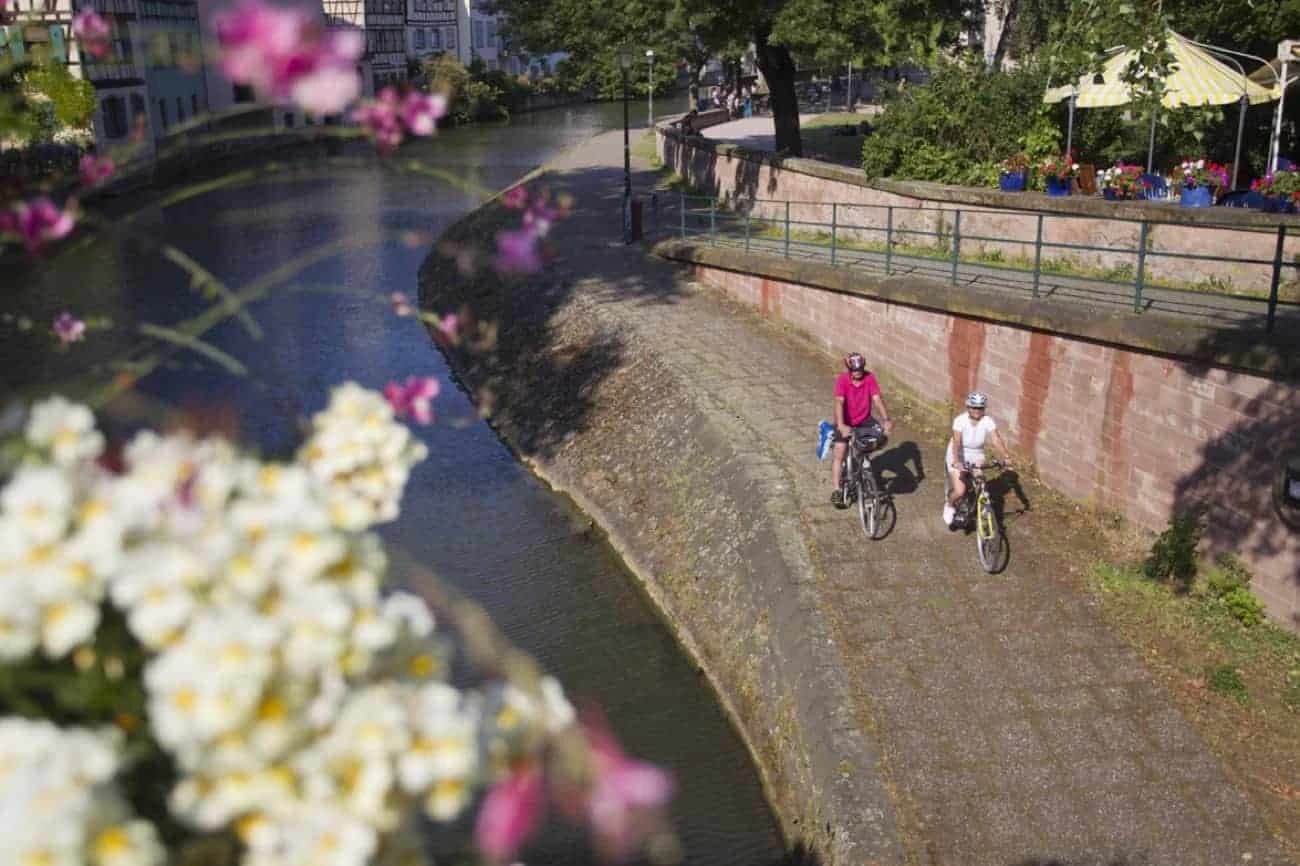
(1277, 204)
(1109, 194)
(1012, 181)
(1197, 196)
(1057, 188)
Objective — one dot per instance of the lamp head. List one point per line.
(650, 54)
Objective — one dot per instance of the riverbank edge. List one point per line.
(761, 638)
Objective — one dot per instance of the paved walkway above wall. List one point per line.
(1016, 729)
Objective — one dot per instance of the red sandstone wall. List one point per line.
(1115, 428)
(733, 178)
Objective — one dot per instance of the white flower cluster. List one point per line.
(361, 456)
(57, 802)
(300, 704)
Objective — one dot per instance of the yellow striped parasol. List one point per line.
(1196, 78)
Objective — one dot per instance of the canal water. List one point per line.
(471, 511)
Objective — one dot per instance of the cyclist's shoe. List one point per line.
(837, 499)
(949, 515)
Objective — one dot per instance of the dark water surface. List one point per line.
(471, 512)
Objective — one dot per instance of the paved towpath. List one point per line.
(1017, 729)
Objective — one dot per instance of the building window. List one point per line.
(194, 104)
(137, 107)
(162, 114)
(242, 93)
(114, 111)
(435, 39)
(491, 34)
(450, 41)
(288, 121)
(478, 34)
(419, 38)
(180, 110)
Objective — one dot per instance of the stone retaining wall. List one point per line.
(1134, 415)
(760, 183)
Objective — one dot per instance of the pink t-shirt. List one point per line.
(857, 397)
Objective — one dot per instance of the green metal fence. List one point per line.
(879, 237)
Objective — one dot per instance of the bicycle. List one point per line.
(858, 483)
(990, 543)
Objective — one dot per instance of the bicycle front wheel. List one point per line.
(869, 509)
(988, 539)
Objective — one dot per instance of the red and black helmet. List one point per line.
(855, 363)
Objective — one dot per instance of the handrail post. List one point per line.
(713, 217)
(889, 238)
(956, 244)
(1140, 277)
(1038, 254)
(1277, 276)
(681, 209)
(834, 220)
(747, 213)
(787, 228)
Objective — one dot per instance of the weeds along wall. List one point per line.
(1107, 420)
(759, 184)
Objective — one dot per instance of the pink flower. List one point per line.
(401, 304)
(517, 251)
(68, 328)
(509, 815)
(541, 215)
(412, 399)
(382, 120)
(389, 118)
(93, 32)
(625, 802)
(285, 54)
(36, 223)
(420, 112)
(448, 327)
(95, 170)
(515, 198)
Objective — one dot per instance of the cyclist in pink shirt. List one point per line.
(857, 406)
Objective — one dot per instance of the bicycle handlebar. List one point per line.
(992, 464)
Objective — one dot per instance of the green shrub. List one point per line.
(1173, 556)
(959, 125)
(1227, 585)
(1225, 680)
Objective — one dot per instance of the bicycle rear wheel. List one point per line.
(988, 538)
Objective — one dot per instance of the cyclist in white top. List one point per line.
(970, 430)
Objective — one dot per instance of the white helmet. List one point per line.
(977, 400)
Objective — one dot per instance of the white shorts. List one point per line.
(972, 456)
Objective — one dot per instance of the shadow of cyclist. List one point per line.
(1006, 482)
(891, 466)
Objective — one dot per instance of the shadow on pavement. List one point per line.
(897, 477)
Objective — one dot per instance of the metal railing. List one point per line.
(942, 243)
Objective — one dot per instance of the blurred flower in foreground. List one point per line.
(510, 814)
(518, 250)
(411, 399)
(625, 805)
(95, 170)
(401, 304)
(92, 32)
(68, 328)
(286, 55)
(390, 118)
(36, 223)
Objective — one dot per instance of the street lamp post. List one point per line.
(625, 63)
(650, 88)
